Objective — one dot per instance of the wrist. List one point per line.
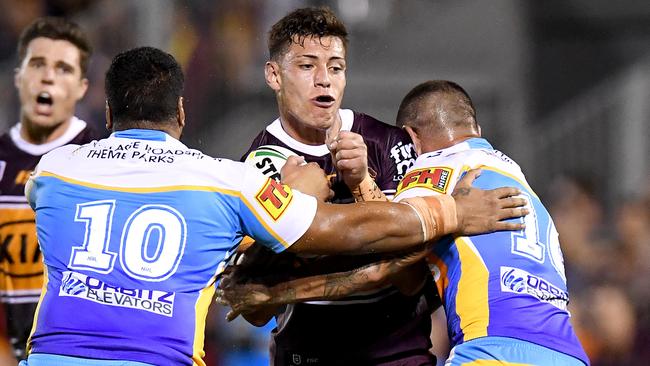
(437, 215)
(367, 190)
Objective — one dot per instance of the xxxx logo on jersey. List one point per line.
(435, 179)
(275, 198)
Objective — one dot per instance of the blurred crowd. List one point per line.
(216, 42)
(606, 249)
(607, 259)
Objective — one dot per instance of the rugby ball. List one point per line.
(269, 159)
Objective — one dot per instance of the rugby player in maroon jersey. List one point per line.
(306, 70)
(53, 58)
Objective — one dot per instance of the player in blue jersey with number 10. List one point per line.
(135, 228)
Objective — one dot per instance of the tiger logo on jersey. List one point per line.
(275, 198)
(435, 179)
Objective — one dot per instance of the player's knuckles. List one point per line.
(340, 164)
(514, 202)
(469, 177)
(504, 213)
(349, 135)
(520, 201)
(346, 165)
(349, 154)
(515, 212)
(510, 213)
(292, 160)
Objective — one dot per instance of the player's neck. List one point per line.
(38, 135)
(303, 133)
(443, 143)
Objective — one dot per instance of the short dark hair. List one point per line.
(411, 113)
(302, 23)
(143, 85)
(57, 29)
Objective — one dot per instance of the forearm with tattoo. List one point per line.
(368, 190)
(330, 286)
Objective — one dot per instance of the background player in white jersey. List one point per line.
(136, 228)
(53, 56)
(504, 293)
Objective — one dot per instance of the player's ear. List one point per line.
(109, 117)
(83, 88)
(272, 75)
(181, 113)
(17, 77)
(415, 138)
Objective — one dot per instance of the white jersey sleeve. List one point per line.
(272, 213)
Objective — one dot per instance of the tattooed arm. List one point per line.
(249, 298)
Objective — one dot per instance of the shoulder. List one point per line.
(58, 157)
(364, 123)
(7, 146)
(87, 134)
(264, 137)
(378, 133)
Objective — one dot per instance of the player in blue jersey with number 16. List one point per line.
(135, 228)
(504, 293)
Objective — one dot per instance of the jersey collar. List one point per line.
(76, 126)
(473, 143)
(275, 129)
(145, 134)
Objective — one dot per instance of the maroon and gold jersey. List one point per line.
(21, 267)
(365, 328)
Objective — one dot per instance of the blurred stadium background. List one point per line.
(562, 86)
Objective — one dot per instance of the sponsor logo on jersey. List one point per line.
(20, 254)
(435, 179)
(275, 198)
(74, 284)
(518, 281)
(403, 156)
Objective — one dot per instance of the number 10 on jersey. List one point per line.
(152, 240)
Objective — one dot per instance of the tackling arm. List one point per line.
(370, 227)
(253, 298)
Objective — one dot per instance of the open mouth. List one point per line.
(324, 99)
(44, 98)
(44, 104)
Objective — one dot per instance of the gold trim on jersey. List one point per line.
(38, 309)
(472, 296)
(493, 363)
(201, 312)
